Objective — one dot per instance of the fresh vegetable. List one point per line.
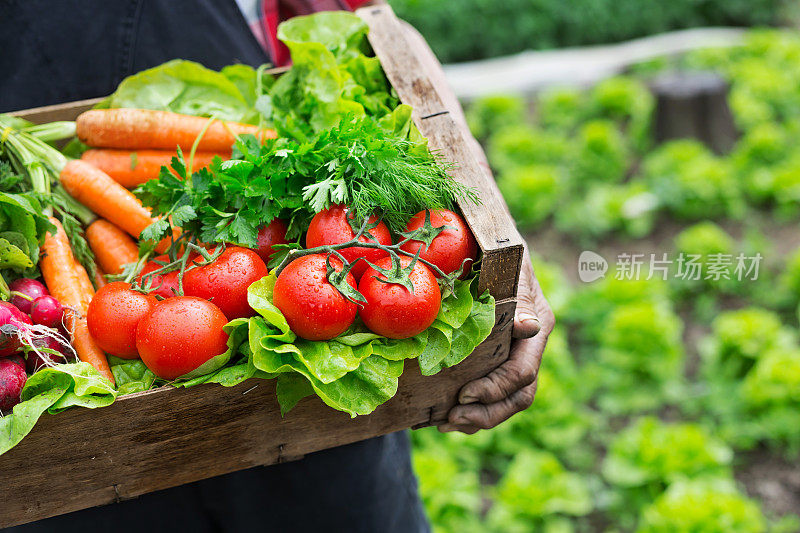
(314, 308)
(96, 190)
(402, 295)
(113, 315)
(46, 311)
(132, 168)
(712, 505)
(335, 225)
(137, 129)
(331, 76)
(27, 290)
(453, 249)
(64, 282)
(358, 370)
(179, 335)
(536, 492)
(12, 379)
(163, 285)
(83, 278)
(270, 235)
(112, 247)
(12, 321)
(225, 280)
(49, 352)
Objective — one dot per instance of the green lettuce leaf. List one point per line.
(22, 230)
(131, 375)
(331, 75)
(53, 390)
(192, 89)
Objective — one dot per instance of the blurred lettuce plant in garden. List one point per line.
(653, 393)
(707, 505)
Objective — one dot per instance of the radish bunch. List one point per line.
(31, 336)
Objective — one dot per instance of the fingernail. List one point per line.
(528, 318)
(446, 428)
(467, 398)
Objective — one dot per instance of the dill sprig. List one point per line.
(375, 171)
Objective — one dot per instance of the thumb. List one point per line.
(526, 322)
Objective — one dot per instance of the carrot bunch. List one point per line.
(131, 145)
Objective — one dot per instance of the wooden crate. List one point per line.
(167, 437)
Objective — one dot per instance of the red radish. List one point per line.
(17, 358)
(11, 321)
(39, 359)
(29, 288)
(18, 334)
(47, 311)
(12, 379)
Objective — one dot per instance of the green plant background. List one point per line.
(462, 30)
(662, 405)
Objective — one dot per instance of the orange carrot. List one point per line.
(64, 281)
(87, 349)
(99, 278)
(132, 168)
(112, 247)
(83, 278)
(134, 129)
(96, 190)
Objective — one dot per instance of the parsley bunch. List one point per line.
(359, 162)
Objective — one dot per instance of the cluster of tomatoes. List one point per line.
(316, 310)
(174, 335)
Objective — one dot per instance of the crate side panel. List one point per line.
(178, 436)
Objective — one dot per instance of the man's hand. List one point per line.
(509, 388)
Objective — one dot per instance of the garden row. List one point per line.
(654, 393)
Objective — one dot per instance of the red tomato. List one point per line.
(392, 310)
(225, 281)
(113, 315)
(180, 334)
(270, 235)
(451, 247)
(167, 284)
(331, 227)
(314, 309)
